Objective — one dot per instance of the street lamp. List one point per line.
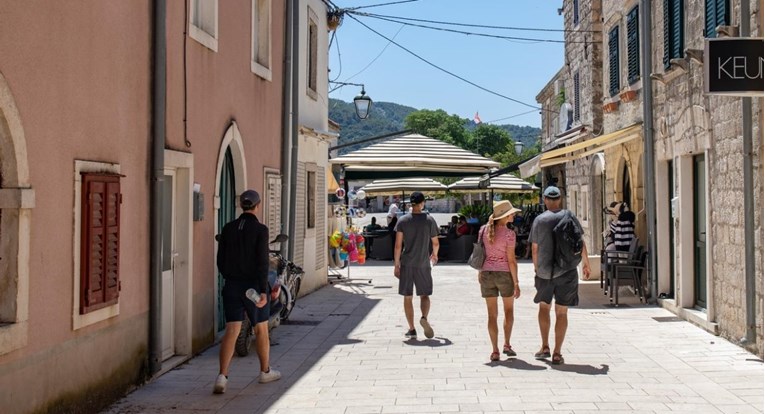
(362, 102)
(518, 147)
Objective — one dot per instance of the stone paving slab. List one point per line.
(356, 360)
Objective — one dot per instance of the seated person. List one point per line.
(462, 226)
(392, 224)
(372, 227)
(453, 224)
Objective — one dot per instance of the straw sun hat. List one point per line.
(503, 209)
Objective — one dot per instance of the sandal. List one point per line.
(508, 350)
(544, 353)
(557, 359)
(494, 356)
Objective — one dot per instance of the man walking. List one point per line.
(552, 281)
(413, 258)
(243, 260)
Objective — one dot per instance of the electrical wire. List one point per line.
(339, 58)
(381, 4)
(511, 116)
(443, 29)
(480, 26)
(376, 57)
(442, 69)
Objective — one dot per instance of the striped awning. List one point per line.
(505, 183)
(403, 185)
(412, 155)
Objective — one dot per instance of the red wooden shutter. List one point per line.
(99, 281)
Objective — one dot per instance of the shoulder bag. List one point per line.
(479, 254)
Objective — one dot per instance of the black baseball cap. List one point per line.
(249, 199)
(416, 197)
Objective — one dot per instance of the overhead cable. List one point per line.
(381, 4)
(442, 69)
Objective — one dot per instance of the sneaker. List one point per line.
(220, 384)
(426, 325)
(508, 350)
(411, 333)
(270, 376)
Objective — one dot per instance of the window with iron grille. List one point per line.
(577, 110)
(716, 13)
(633, 46)
(674, 37)
(100, 242)
(576, 12)
(613, 61)
(311, 199)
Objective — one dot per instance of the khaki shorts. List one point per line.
(497, 284)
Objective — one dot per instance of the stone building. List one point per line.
(699, 172)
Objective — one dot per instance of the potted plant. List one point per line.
(628, 95)
(610, 107)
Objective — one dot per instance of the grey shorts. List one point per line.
(497, 284)
(418, 277)
(564, 288)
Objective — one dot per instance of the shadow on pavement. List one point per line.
(432, 343)
(516, 363)
(580, 369)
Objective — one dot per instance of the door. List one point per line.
(700, 230)
(226, 213)
(168, 262)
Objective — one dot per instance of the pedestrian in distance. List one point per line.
(243, 261)
(499, 273)
(414, 255)
(556, 274)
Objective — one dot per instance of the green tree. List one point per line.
(440, 125)
(489, 140)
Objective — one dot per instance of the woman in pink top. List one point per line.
(499, 274)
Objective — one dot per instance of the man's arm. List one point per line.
(534, 248)
(397, 253)
(262, 260)
(585, 261)
(434, 256)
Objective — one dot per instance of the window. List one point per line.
(576, 12)
(261, 38)
(613, 61)
(100, 241)
(577, 111)
(311, 199)
(203, 25)
(717, 13)
(673, 31)
(633, 46)
(313, 54)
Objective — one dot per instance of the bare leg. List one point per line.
(491, 310)
(544, 324)
(262, 345)
(425, 306)
(409, 311)
(507, 303)
(561, 325)
(227, 345)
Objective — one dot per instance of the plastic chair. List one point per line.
(632, 270)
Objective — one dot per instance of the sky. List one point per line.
(516, 69)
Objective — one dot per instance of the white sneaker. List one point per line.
(270, 376)
(220, 384)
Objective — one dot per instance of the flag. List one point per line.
(477, 119)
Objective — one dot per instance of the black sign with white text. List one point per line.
(733, 66)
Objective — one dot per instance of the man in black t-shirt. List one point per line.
(243, 260)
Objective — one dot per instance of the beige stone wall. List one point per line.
(687, 123)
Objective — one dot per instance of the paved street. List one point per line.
(346, 353)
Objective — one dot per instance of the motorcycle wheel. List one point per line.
(244, 340)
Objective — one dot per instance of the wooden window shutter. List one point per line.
(667, 33)
(576, 12)
(633, 46)
(100, 241)
(716, 13)
(613, 61)
(577, 110)
(677, 50)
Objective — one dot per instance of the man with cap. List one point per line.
(243, 261)
(415, 253)
(552, 282)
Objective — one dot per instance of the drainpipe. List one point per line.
(649, 183)
(295, 40)
(159, 55)
(286, 126)
(746, 109)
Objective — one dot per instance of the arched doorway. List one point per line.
(597, 199)
(627, 186)
(231, 181)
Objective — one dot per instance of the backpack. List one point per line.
(567, 236)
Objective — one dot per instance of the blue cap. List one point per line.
(551, 192)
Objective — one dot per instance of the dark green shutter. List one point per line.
(576, 12)
(577, 111)
(613, 61)
(717, 13)
(667, 33)
(633, 46)
(677, 30)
